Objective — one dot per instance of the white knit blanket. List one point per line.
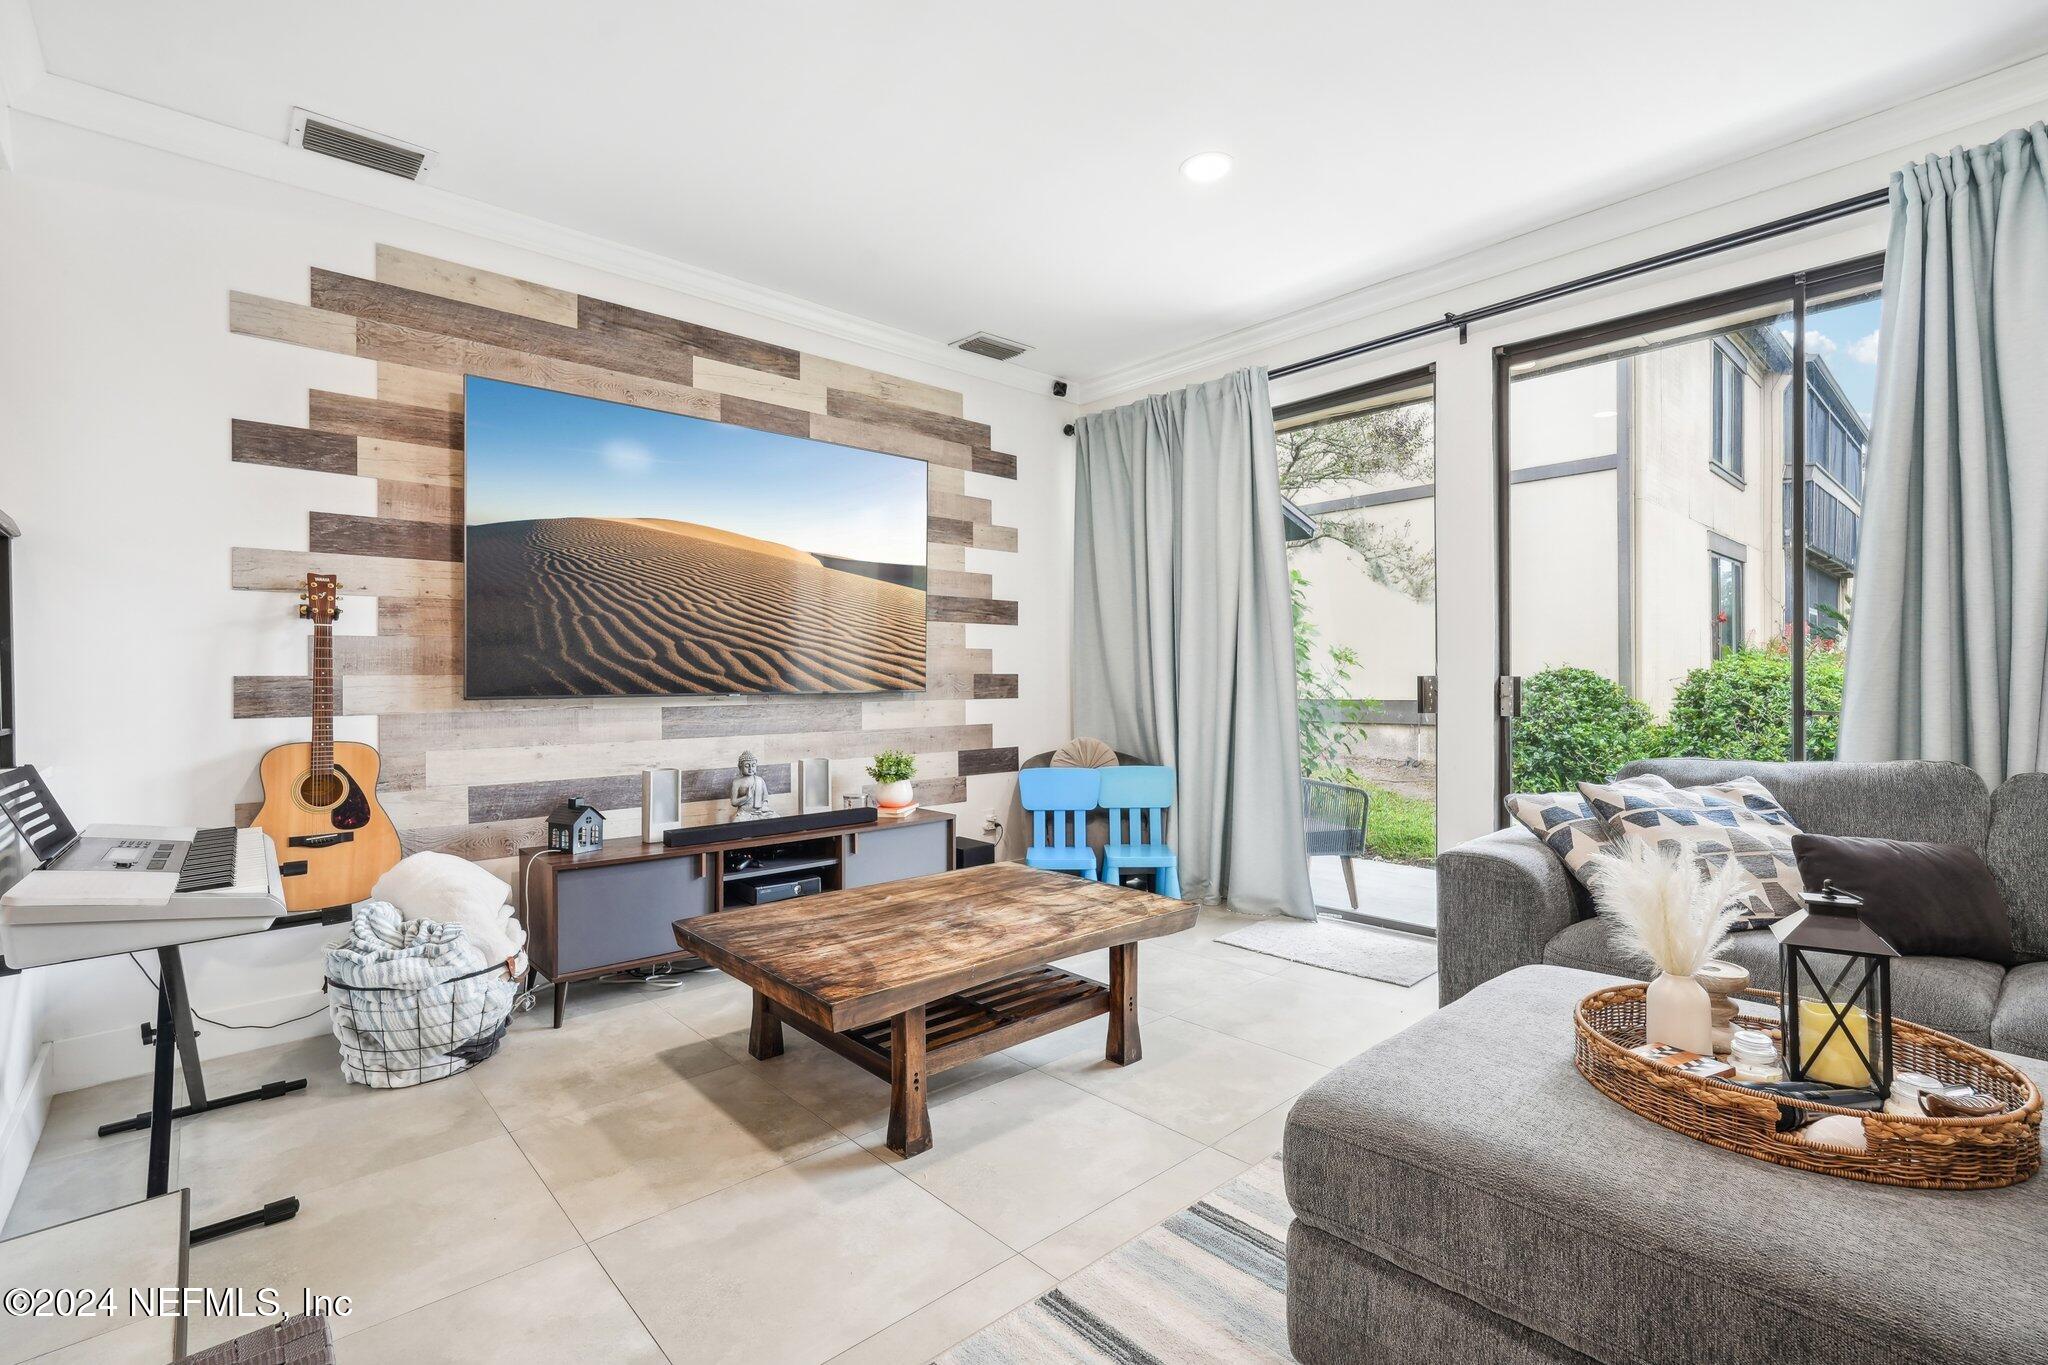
(412, 1000)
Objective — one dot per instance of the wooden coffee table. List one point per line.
(910, 978)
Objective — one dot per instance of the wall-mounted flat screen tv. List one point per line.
(616, 551)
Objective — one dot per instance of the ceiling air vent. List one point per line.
(346, 142)
(992, 346)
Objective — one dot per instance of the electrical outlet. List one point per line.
(989, 823)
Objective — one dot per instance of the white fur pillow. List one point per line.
(451, 890)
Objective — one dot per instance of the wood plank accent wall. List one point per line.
(477, 778)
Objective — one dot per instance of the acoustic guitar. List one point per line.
(320, 799)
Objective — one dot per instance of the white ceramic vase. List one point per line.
(1678, 1013)
(895, 797)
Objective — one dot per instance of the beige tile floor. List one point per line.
(635, 1187)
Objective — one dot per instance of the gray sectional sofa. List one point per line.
(1506, 900)
(1461, 1195)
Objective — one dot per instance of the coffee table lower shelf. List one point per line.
(954, 1030)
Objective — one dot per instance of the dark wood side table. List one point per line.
(915, 977)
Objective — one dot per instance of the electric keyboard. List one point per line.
(123, 888)
(210, 861)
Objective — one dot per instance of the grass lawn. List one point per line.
(1400, 828)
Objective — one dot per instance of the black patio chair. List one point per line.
(1335, 817)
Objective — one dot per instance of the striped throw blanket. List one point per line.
(413, 1000)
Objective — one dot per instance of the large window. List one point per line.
(1725, 597)
(1836, 433)
(1729, 378)
(1611, 515)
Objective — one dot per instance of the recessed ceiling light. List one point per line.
(1203, 167)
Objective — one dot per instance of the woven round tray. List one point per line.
(1934, 1154)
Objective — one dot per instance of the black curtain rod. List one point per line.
(1827, 213)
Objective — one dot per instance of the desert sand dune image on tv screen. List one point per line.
(618, 606)
(618, 551)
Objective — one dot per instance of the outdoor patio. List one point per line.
(1394, 892)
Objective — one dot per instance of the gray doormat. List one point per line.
(1354, 949)
(1210, 1283)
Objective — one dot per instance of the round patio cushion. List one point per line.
(1084, 753)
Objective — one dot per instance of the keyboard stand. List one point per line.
(173, 1038)
(170, 1039)
(186, 1038)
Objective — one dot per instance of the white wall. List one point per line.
(25, 1077)
(1829, 167)
(118, 377)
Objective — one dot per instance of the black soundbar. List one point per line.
(725, 831)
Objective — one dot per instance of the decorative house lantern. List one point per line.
(1836, 978)
(575, 827)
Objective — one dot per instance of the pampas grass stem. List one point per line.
(1662, 908)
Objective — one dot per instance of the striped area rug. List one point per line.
(1208, 1284)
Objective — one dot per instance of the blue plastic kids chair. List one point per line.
(1129, 794)
(1059, 800)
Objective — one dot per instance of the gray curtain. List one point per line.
(1183, 639)
(1948, 646)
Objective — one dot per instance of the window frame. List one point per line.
(1717, 561)
(1627, 334)
(1730, 379)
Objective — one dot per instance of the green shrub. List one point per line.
(1740, 705)
(1577, 726)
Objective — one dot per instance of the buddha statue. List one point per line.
(750, 791)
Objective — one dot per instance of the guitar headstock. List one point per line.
(320, 599)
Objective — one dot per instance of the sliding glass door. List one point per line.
(1681, 496)
(1359, 471)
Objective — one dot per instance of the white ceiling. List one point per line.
(944, 167)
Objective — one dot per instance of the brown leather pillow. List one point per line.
(1929, 900)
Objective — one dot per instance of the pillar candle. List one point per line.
(1836, 1062)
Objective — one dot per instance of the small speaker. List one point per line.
(813, 785)
(661, 802)
(973, 852)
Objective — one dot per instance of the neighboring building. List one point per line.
(1689, 503)
(1649, 521)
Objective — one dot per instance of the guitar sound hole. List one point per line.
(321, 791)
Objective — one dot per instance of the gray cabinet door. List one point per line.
(626, 912)
(881, 854)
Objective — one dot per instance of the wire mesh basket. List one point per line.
(397, 1036)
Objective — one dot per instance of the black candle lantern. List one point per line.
(1836, 982)
(575, 826)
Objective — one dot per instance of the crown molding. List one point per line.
(28, 87)
(1811, 170)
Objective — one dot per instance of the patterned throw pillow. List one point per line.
(1738, 819)
(1568, 825)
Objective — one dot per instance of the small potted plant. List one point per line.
(892, 770)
